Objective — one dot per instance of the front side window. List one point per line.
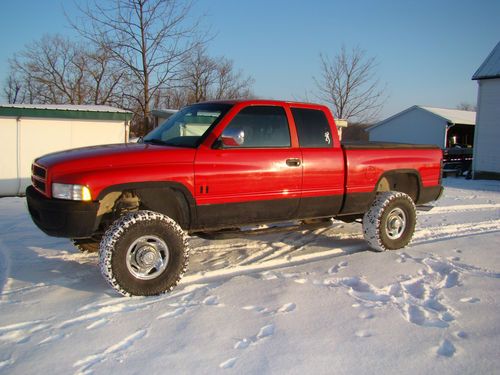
(189, 126)
(313, 128)
(258, 127)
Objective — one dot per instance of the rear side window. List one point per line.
(312, 127)
(261, 126)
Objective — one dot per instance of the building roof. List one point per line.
(490, 68)
(452, 116)
(68, 111)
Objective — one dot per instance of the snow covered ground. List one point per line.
(303, 302)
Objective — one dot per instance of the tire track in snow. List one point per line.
(422, 236)
(439, 233)
(226, 273)
(461, 208)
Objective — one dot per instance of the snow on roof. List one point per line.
(490, 68)
(67, 107)
(455, 116)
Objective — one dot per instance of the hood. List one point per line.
(115, 156)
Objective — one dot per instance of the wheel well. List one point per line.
(404, 182)
(165, 200)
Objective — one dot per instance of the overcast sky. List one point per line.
(426, 50)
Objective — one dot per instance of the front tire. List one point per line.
(390, 222)
(144, 253)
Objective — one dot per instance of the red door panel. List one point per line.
(230, 181)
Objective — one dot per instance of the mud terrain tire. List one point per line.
(390, 222)
(144, 253)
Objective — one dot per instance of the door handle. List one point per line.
(294, 162)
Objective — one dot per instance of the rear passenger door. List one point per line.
(323, 163)
(256, 179)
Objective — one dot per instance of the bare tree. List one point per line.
(12, 90)
(231, 84)
(464, 106)
(149, 38)
(57, 70)
(206, 78)
(348, 84)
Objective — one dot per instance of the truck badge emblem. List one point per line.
(327, 137)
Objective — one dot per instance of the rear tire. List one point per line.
(144, 253)
(390, 222)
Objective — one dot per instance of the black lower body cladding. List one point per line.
(61, 218)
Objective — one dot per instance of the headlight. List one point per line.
(71, 192)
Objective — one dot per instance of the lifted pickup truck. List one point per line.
(219, 165)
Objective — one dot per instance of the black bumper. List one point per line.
(61, 218)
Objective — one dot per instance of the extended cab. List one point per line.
(219, 165)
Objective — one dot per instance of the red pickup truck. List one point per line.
(219, 165)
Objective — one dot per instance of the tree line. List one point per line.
(132, 54)
(145, 54)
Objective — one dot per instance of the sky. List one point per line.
(427, 50)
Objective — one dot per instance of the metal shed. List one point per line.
(427, 125)
(486, 162)
(29, 131)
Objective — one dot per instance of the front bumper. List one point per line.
(61, 218)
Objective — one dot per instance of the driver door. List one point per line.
(254, 175)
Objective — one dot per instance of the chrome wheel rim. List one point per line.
(147, 257)
(395, 223)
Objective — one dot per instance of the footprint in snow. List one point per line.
(187, 297)
(242, 344)
(229, 363)
(51, 339)
(97, 324)
(446, 349)
(266, 331)
(288, 307)
(211, 301)
(169, 314)
(337, 267)
(363, 334)
(259, 309)
(470, 300)
(86, 363)
(366, 315)
(6, 363)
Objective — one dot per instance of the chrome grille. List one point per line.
(39, 177)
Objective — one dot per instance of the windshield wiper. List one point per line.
(155, 141)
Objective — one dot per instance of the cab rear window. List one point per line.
(313, 128)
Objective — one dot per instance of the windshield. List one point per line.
(189, 126)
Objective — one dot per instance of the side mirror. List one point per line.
(233, 137)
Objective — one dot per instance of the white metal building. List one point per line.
(427, 125)
(29, 131)
(486, 162)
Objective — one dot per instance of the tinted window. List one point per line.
(260, 126)
(312, 128)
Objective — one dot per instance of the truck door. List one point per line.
(252, 174)
(323, 163)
